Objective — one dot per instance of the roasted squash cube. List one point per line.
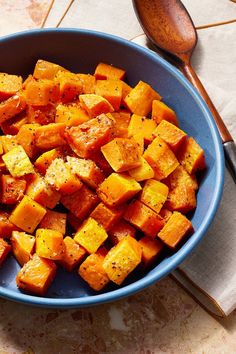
(18, 162)
(182, 198)
(70, 114)
(6, 227)
(58, 176)
(120, 230)
(9, 85)
(36, 275)
(151, 249)
(171, 134)
(50, 136)
(122, 259)
(143, 127)
(73, 254)
(144, 218)
(105, 71)
(41, 92)
(70, 85)
(161, 111)
(91, 270)
(191, 156)
(154, 194)
(49, 244)
(5, 248)
(12, 189)
(46, 70)
(42, 115)
(161, 158)
(11, 107)
(13, 125)
(23, 246)
(105, 216)
(122, 154)
(88, 83)
(41, 192)
(111, 90)
(95, 105)
(27, 214)
(122, 119)
(175, 229)
(86, 170)
(91, 235)
(89, 137)
(8, 142)
(26, 138)
(181, 177)
(45, 160)
(165, 213)
(80, 203)
(54, 220)
(117, 189)
(139, 100)
(142, 172)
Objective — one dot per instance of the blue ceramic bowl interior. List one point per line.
(81, 51)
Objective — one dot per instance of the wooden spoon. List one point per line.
(169, 26)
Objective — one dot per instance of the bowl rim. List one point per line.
(186, 249)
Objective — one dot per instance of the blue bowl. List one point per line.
(80, 51)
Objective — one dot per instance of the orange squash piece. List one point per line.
(50, 136)
(42, 115)
(6, 226)
(18, 162)
(5, 248)
(122, 154)
(91, 270)
(13, 125)
(125, 91)
(161, 158)
(26, 138)
(95, 104)
(142, 172)
(181, 177)
(23, 246)
(73, 254)
(191, 156)
(70, 85)
(143, 127)
(139, 100)
(9, 85)
(11, 107)
(8, 142)
(71, 114)
(105, 216)
(54, 220)
(105, 71)
(154, 194)
(46, 70)
(117, 189)
(12, 189)
(89, 137)
(44, 161)
(111, 90)
(80, 203)
(175, 229)
(36, 275)
(41, 92)
(27, 214)
(182, 198)
(151, 249)
(144, 218)
(49, 244)
(88, 83)
(122, 119)
(73, 221)
(120, 230)
(161, 111)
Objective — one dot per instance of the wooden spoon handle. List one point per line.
(194, 79)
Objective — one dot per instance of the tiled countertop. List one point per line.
(163, 318)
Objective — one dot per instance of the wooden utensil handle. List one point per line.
(194, 79)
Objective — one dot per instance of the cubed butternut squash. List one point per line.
(23, 246)
(139, 100)
(181, 177)
(9, 85)
(175, 229)
(117, 189)
(91, 270)
(73, 221)
(27, 214)
(54, 220)
(91, 235)
(70, 114)
(13, 125)
(111, 90)
(46, 70)
(73, 254)
(86, 170)
(41, 92)
(142, 172)
(171, 134)
(49, 244)
(161, 158)
(89, 137)
(122, 259)
(105, 216)
(120, 230)
(8, 142)
(143, 127)
(105, 71)
(26, 138)
(122, 154)
(58, 176)
(50, 136)
(144, 218)
(12, 189)
(5, 248)
(161, 111)
(6, 226)
(80, 203)
(18, 162)
(88, 83)
(42, 115)
(122, 119)
(70, 85)
(151, 249)
(95, 105)
(191, 156)
(45, 160)
(11, 107)
(182, 198)
(154, 194)
(36, 275)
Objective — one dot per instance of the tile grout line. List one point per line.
(65, 13)
(47, 13)
(215, 24)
